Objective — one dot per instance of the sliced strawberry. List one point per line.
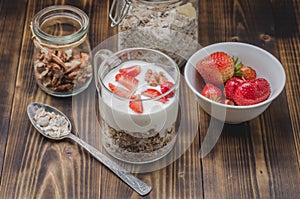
(252, 92)
(212, 92)
(230, 87)
(128, 81)
(136, 104)
(131, 70)
(120, 91)
(165, 87)
(153, 93)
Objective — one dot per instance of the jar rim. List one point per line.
(61, 10)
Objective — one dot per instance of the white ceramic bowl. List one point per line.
(265, 64)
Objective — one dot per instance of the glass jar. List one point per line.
(170, 26)
(119, 9)
(62, 63)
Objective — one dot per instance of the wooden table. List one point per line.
(255, 159)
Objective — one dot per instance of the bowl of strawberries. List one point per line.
(234, 82)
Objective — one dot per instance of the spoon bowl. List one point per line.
(31, 111)
(139, 186)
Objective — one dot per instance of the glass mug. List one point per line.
(138, 93)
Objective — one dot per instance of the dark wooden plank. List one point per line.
(280, 140)
(11, 27)
(289, 52)
(287, 28)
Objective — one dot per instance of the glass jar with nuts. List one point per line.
(62, 63)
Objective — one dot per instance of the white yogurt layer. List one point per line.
(156, 116)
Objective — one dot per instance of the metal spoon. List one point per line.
(139, 186)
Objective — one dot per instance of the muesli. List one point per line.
(168, 27)
(138, 149)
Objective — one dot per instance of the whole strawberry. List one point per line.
(212, 92)
(245, 72)
(216, 68)
(252, 92)
(230, 87)
(248, 73)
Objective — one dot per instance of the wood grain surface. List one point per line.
(255, 159)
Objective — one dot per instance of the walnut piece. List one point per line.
(63, 71)
(154, 78)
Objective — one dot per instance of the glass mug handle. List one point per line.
(118, 11)
(100, 57)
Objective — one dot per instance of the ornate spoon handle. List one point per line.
(135, 183)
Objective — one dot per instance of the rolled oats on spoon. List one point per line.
(52, 124)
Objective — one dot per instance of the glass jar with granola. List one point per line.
(62, 63)
(170, 26)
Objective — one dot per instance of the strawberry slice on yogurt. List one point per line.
(153, 93)
(132, 71)
(128, 81)
(165, 87)
(136, 104)
(119, 91)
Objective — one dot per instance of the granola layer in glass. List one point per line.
(132, 149)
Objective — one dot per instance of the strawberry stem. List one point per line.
(237, 66)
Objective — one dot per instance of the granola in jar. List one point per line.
(169, 26)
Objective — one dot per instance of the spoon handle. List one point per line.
(135, 183)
